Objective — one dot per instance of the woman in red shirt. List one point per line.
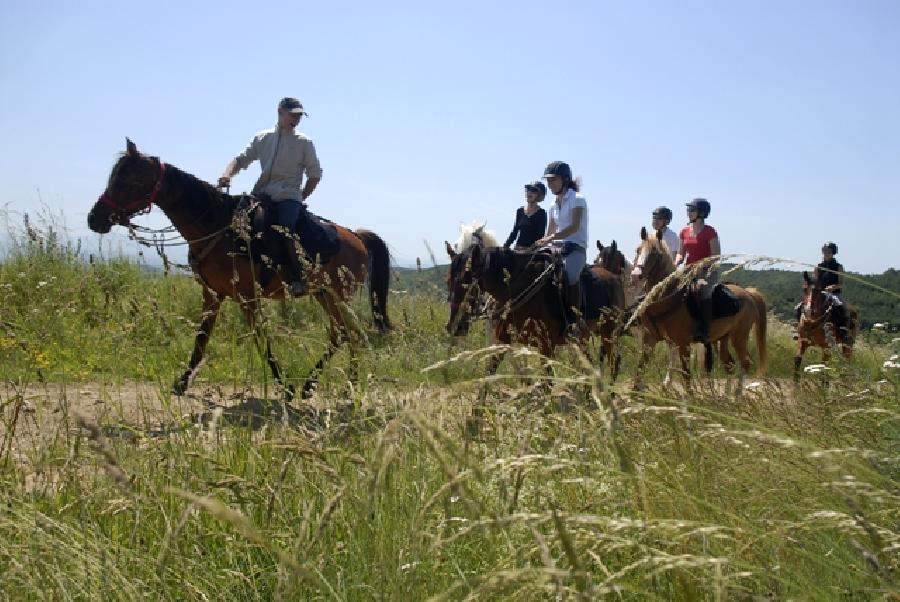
(698, 242)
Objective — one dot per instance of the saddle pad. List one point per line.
(725, 303)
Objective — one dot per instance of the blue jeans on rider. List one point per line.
(575, 258)
(287, 211)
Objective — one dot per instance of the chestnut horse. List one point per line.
(204, 217)
(527, 306)
(818, 327)
(664, 313)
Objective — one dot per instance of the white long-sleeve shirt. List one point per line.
(284, 157)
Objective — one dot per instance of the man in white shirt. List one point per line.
(284, 155)
(568, 232)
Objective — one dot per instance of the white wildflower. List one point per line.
(815, 368)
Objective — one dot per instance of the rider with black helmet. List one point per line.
(568, 232)
(662, 217)
(829, 275)
(531, 220)
(699, 242)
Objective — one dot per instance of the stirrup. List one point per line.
(297, 288)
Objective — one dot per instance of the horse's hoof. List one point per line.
(308, 389)
(179, 388)
(289, 393)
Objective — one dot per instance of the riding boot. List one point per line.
(703, 324)
(297, 284)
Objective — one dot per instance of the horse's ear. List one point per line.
(659, 235)
(130, 147)
(475, 254)
(806, 277)
(643, 233)
(599, 246)
(613, 246)
(450, 250)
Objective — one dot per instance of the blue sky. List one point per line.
(785, 115)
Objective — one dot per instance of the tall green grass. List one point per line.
(408, 483)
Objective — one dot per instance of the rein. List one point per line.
(529, 291)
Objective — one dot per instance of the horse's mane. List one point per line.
(654, 245)
(473, 234)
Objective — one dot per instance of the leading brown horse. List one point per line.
(204, 217)
(664, 312)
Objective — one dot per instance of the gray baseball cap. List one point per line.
(292, 105)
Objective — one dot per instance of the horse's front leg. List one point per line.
(211, 305)
(684, 354)
(802, 344)
(251, 311)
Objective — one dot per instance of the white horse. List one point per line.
(474, 234)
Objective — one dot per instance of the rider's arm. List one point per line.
(229, 172)
(248, 156)
(313, 169)
(679, 257)
(715, 248)
(551, 232)
(310, 185)
(514, 233)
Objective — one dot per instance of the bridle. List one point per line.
(138, 206)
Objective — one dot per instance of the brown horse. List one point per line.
(527, 307)
(609, 267)
(664, 313)
(818, 324)
(204, 217)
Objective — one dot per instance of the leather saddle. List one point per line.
(254, 236)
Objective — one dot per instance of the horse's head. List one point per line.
(653, 259)
(611, 258)
(474, 234)
(133, 186)
(462, 287)
(815, 300)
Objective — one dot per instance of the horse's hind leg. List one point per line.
(251, 313)
(337, 334)
(211, 304)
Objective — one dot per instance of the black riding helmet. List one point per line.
(560, 169)
(663, 213)
(830, 245)
(701, 205)
(538, 187)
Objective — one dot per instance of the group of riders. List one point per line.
(567, 232)
(286, 155)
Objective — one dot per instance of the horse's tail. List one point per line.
(379, 276)
(762, 316)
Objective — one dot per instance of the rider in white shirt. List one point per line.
(568, 233)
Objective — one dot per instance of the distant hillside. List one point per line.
(782, 289)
